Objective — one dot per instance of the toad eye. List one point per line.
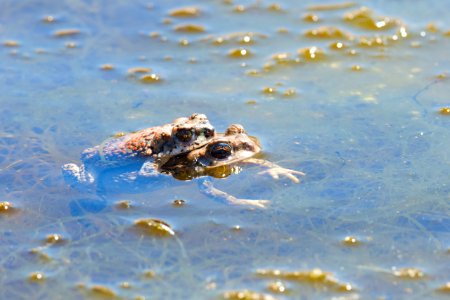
(184, 135)
(208, 132)
(220, 150)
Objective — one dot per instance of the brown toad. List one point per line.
(144, 147)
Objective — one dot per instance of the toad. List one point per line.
(143, 148)
(222, 156)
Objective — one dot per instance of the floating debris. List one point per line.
(219, 41)
(236, 228)
(190, 28)
(408, 273)
(243, 38)
(138, 70)
(246, 39)
(48, 19)
(103, 291)
(66, 32)
(352, 52)
(71, 45)
(154, 227)
(269, 90)
(363, 18)
(150, 78)
(351, 240)
(289, 92)
(11, 43)
(167, 21)
(6, 208)
(253, 72)
(356, 68)
(183, 42)
(323, 7)
(431, 27)
(311, 54)
(326, 32)
(123, 204)
(154, 34)
(107, 67)
(239, 53)
(54, 239)
(311, 18)
(337, 46)
(251, 102)
(372, 42)
(282, 58)
(149, 274)
(185, 12)
(443, 111)
(36, 277)
(44, 257)
(275, 7)
(277, 287)
(178, 203)
(444, 288)
(246, 295)
(239, 8)
(314, 276)
(125, 285)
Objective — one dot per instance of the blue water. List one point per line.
(371, 142)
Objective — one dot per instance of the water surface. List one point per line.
(362, 121)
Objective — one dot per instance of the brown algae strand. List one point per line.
(239, 53)
(107, 67)
(351, 241)
(326, 32)
(11, 43)
(103, 291)
(150, 78)
(54, 239)
(66, 32)
(185, 12)
(311, 54)
(409, 273)
(190, 28)
(445, 111)
(154, 227)
(363, 18)
(6, 207)
(37, 277)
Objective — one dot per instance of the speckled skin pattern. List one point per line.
(150, 144)
(157, 141)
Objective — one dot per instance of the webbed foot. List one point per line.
(278, 171)
(207, 187)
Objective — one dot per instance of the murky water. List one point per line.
(354, 98)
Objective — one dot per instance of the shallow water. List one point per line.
(364, 125)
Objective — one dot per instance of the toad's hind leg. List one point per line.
(207, 188)
(76, 176)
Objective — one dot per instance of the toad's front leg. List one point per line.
(77, 176)
(275, 170)
(207, 188)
